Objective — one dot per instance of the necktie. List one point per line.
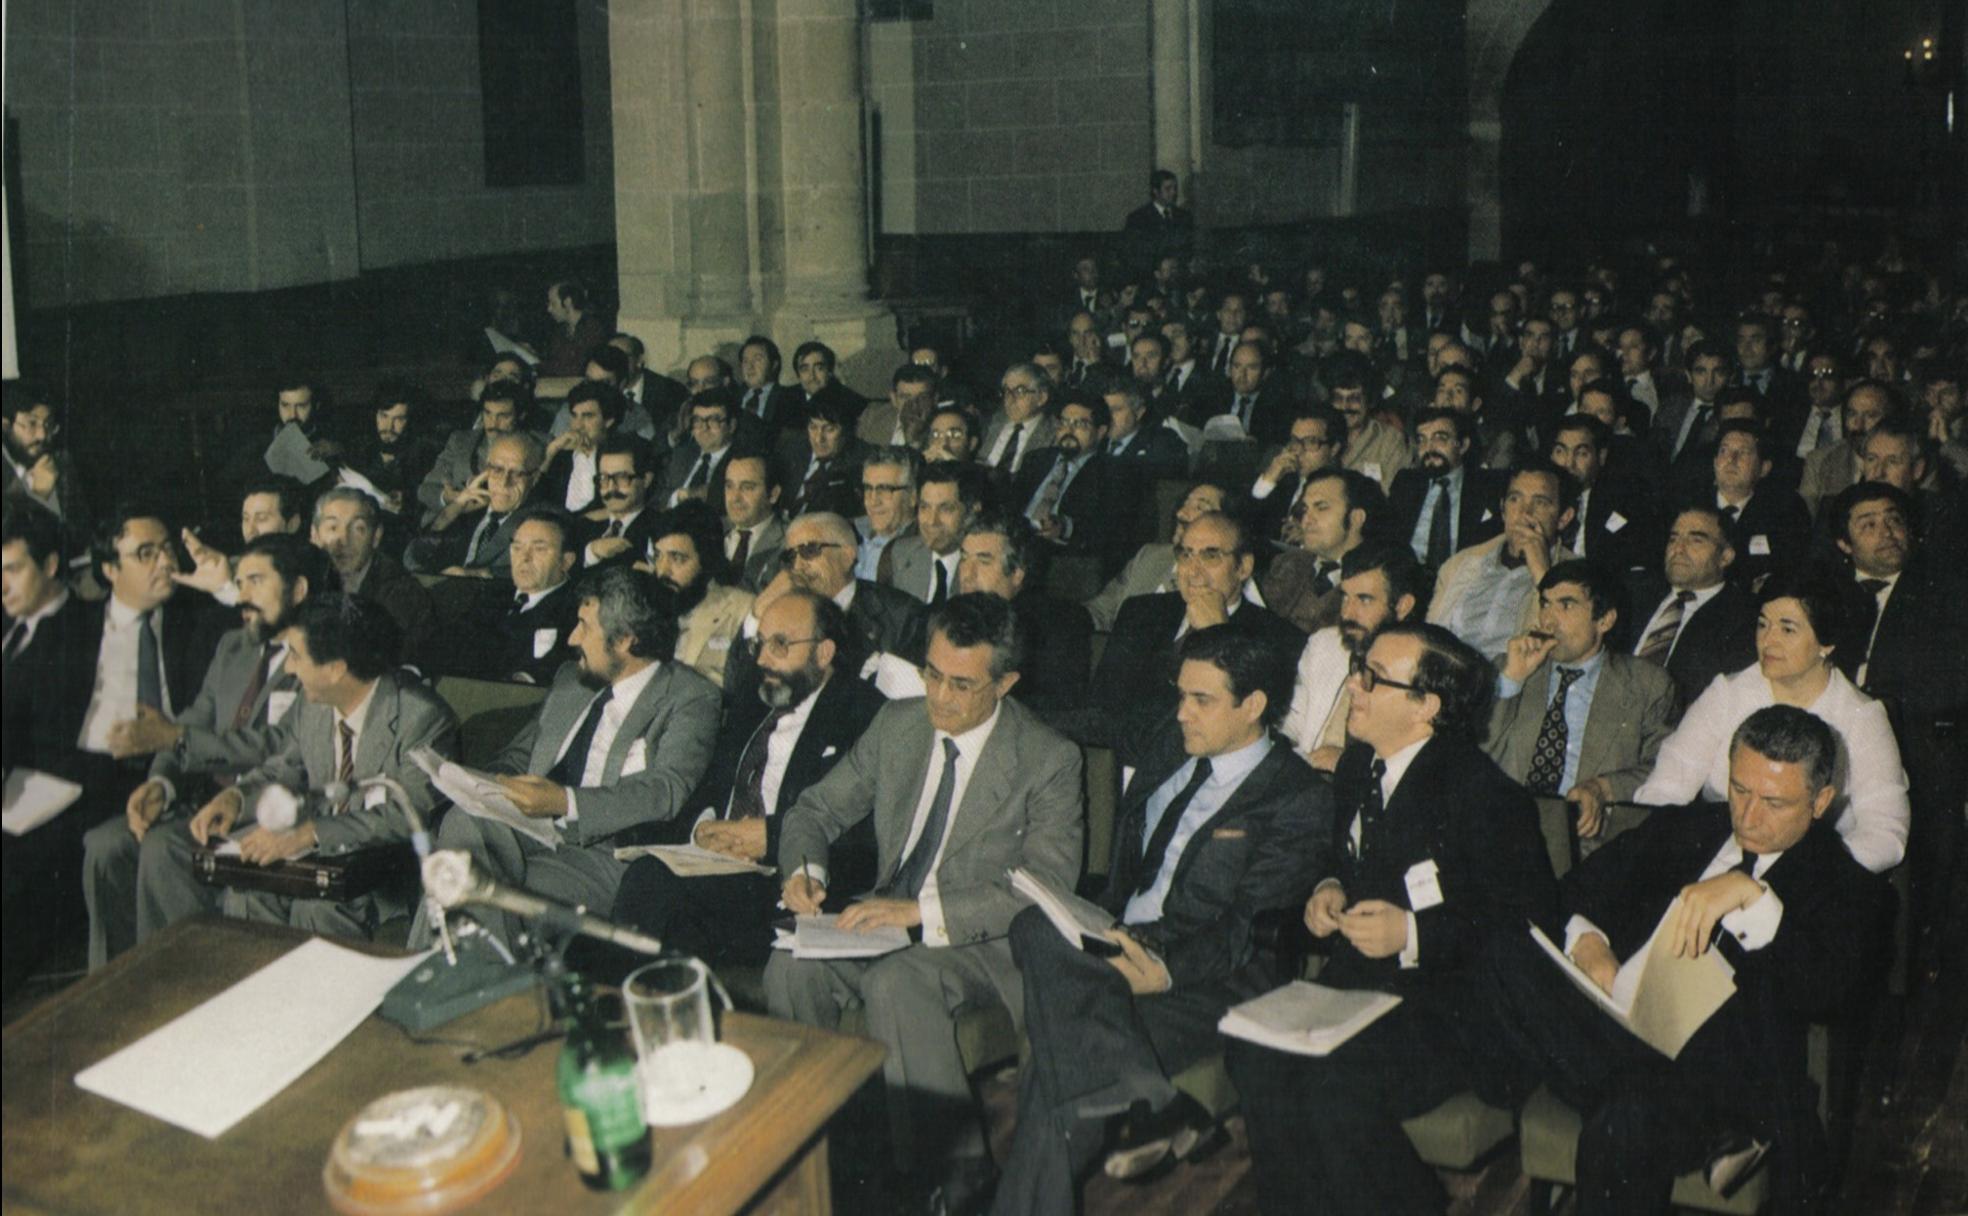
(940, 587)
(150, 683)
(614, 529)
(914, 870)
(742, 551)
(1659, 643)
(1242, 411)
(700, 475)
(1439, 544)
(1748, 863)
(1322, 572)
(345, 770)
(1873, 586)
(518, 604)
(1733, 511)
(487, 527)
(243, 712)
(748, 786)
(1155, 850)
(16, 638)
(1698, 430)
(1046, 503)
(810, 488)
(1008, 459)
(573, 763)
(753, 403)
(1548, 753)
(1372, 803)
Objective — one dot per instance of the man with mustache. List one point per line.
(1075, 497)
(1380, 584)
(806, 715)
(35, 469)
(687, 556)
(620, 527)
(1445, 503)
(247, 693)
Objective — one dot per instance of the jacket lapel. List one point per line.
(381, 728)
(911, 765)
(990, 780)
(639, 716)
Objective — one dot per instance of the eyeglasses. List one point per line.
(508, 473)
(869, 487)
(1370, 680)
(810, 551)
(776, 646)
(1301, 442)
(949, 434)
(1017, 390)
(1824, 373)
(708, 421)
(1209, 557)
(617, 479)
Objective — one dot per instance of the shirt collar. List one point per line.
(46, 610)
(356, 718)
(625, 691)
(845, 596)
(121, 615)
(971, 742)
(1397, 766)
(1231, 768)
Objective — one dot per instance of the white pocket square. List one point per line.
(828, 751)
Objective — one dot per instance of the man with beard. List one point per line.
(953, 435)
(806, 716)
(468, 538)
(397, 455)
(247, 693)
(298, 401)
(502, 409)
(687, 556)
(1372, 446)
(621, 740)
(626, 470)
(1075, 497)
(35, 469)
(348, 527)
(1445, 503)
(1380, 584)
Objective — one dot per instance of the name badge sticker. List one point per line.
(1424, 886)
(1615, 522)
(1759, 545)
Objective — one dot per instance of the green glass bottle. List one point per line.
(596, 1076)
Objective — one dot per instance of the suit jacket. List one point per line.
(707, 633)
(1827, 470)
(1202, 394)
(1378, 450)
(1479, 517)
(876, 426)
(908, 563)
(210, 744)
(1290, 588)
(403, 716)
(639, 532)
(1772, 533)
(1058, 653)
(434, 553)
(1259, 851)
(503, 642)
(1037, 435)
(836, 485)
(1621, 528)
(1270, 414)
(1145, 573)
(1152, 453)
(1133, 690)
(784, 407)
(70, 503)
(677, 470)
(1021, 807)
(1101, 502)
(1633, 709)
(1456, 808)
(46, 692)
(1919, 669)
(1718, 639)
(657, 757)
(192, 627)
(762, 555)
(396, 591)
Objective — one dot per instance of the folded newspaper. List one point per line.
(690, 861)
(479, 793)
(819, 937)
(1661, 999)
(1080, 921)
(1304, 1018)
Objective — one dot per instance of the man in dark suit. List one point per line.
(999, 555)
(399, 451)
(348, 527)
(1770, 521)
(1445, 502)
(1158, 227)
(468, 538)
(816, 366)
(1023, 424)
(1615, 522)
(1801, 924)
(754, 534)
(37, 468)
(924, 563)
(1318, 437)
(1694, 621)
(822, 464)
(806, 716)
(903, 419)
(1683, 430)
(1131, 690)
(248, 691)
(597, 763)
(1194, 391)
(520, 631)
(1143, 450)
(962, 786)
(696, 466)
(619, 532)
(1434, 851)
(1075, 497)
(571, 480)
(1221, 822)
(1758, 366)
(358, 719)
(1260, 403)
(761, 395)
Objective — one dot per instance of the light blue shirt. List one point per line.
(1493, 610)
(1227, 772)
(1578, 705)
(867, 559)
(1065, 471)
(1419, 541)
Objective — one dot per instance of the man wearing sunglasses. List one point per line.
(1434, 851)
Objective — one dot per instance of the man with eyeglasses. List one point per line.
(953, 435)
(1435, 851)
(1820, 423)
(819, 557)
(1152, 568)
(470, 537)
(502, 409)
(962, 786)
(924, 564)
(888, 499)
(687, 556)
(37, 469)
(696, 466)
(1318, 440)
(1074, 496)
(1021, 425)
(806, 715)
(1336, 511)
(1213, 564)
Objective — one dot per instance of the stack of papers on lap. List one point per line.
(689, 861)
(1306, 1019)
(33, 798)
(1660, 999)
(208, 1069)
(480, 794)
(1079, 921)
(818, 937)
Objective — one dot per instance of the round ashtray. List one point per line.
(418, 1152)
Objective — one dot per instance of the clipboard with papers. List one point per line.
(1660, 999)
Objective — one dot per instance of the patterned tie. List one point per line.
(1155, 852)
(1657, 645)
(573, 765)
(150, 683)
(1439, 544)
(1548, 753)
(243, 712)
(810, 488)
(1372, 803)
(914, 870)
(748, 787)
(487, 528)
(345, 770)
(1046, 503)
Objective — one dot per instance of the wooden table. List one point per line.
(65, 1150)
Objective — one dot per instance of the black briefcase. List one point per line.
(338, 879)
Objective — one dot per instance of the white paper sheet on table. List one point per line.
(33, 798)
(211, 1067)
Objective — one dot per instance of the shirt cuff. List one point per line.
(1507, 687)
(573, 810)
(1411, 953)
(707, 813)
(170, 791)
(934, 931)
(1754, 925)
(1262, 487)
(749, 627)
(1578, 927)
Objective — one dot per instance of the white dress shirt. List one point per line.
(1322, 670)
(970, 745)
(1753, 926)
(625, 693)
(115, 696)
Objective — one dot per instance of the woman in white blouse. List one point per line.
(1794, 667)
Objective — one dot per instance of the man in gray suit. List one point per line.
(359, 719)
(963, 785)
(621, 740)
(1152, 568)
(947, 497)
(469, 538)
(754, 533)
(1572, 716)
(247, 692)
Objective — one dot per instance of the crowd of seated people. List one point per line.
(1347, 574)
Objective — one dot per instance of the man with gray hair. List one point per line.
(1022, 423)
(469, 537)
(888, 502)
(348, 527)
(621, 740)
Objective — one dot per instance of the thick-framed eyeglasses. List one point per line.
(776, 646)
(810, 551)
(1370, 680)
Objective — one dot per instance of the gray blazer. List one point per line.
(666, 739)
(1633, 711)
(1038, 433)
(209, 743)
(909, 567)
(403, 716)
(433, 554)
(457, 463)
(1022, 807)
(1152, 565)
(762, 559)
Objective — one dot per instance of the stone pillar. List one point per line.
(1496, 28)
(715, 121)
(652, 242)
(1169, 79)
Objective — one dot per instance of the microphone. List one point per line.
(451, 880)
(278, 808)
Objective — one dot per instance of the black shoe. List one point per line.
(1732, 1164)
(1151, 1142)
